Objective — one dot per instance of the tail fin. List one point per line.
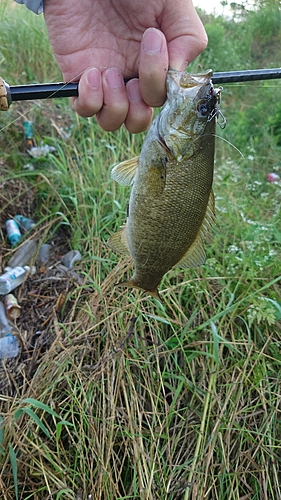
(130, 283)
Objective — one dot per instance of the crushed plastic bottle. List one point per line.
(44, 254)
(25, 222)
(5, 327)
(12, 279)
(13, 231)
(23, 254)
(39, 151)
(70, 257)
(9, 344)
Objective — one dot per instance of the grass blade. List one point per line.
(13, 460)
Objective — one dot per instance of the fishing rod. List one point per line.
(10, 94)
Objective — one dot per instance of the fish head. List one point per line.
(189, 112)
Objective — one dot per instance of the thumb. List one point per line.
(183, 50)
(186, 36)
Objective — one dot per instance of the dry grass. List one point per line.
(139, 418)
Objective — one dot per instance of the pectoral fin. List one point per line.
(125, 172)
(119, 242)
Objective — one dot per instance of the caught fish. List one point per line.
(171, 208)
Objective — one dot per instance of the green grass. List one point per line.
(137, 399)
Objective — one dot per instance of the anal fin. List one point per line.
(119, 242)
(195, 255)
(210, 216)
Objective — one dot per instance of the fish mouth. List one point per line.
(186, 80)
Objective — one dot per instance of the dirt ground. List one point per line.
(44, 295)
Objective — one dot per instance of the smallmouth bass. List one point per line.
(171, 208)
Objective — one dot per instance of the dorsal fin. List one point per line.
(124, 173)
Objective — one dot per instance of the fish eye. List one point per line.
(202, 108)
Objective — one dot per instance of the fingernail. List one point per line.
(133, 90)
(114, 78)
(152, 41)
(94, 78)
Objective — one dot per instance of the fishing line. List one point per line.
(257, 85)
(36, 105)
(225, 140)
(22, 115)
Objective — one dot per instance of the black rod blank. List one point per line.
(51, 90)
(248, 75)
(43, 91)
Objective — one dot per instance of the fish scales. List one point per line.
(171, 207)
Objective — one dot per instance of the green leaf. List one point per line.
(37, 420)
(42, 406)
(58, 431)
(173, 342)
(18, 413)
(13, 460)
(62, 492)
(2, 435)
(216, 341)
(159, 318)
(277, 306)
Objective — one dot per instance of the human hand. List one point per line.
(101, 42)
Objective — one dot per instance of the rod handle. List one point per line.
(5, 96)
